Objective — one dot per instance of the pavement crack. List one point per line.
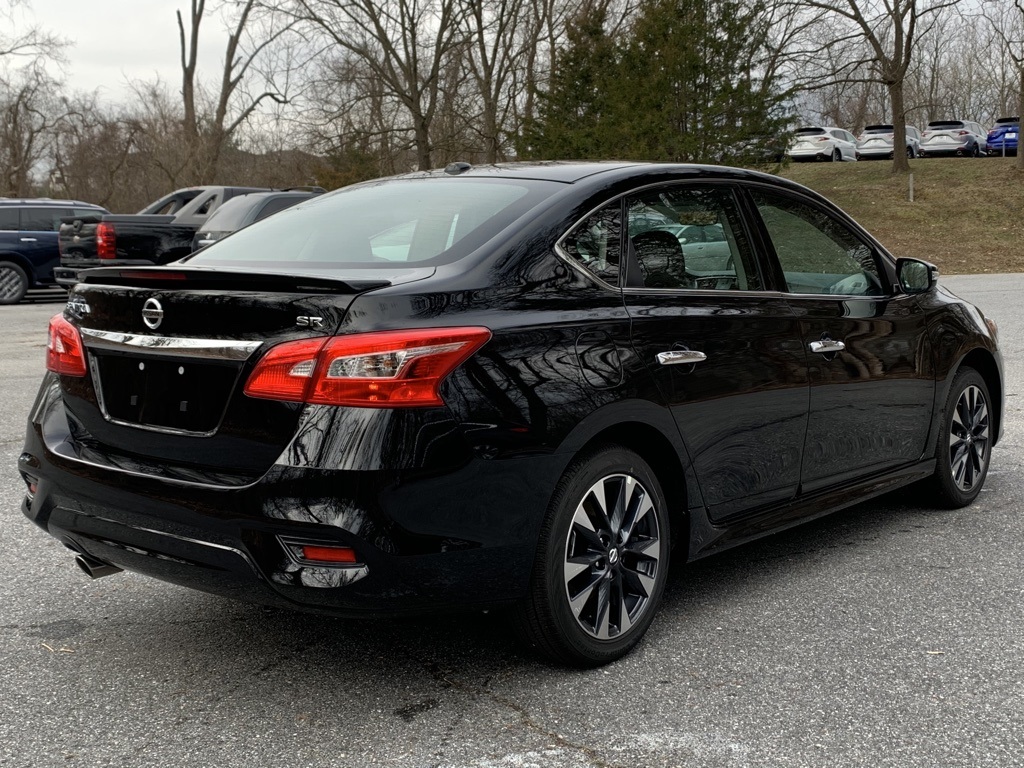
(526, 718)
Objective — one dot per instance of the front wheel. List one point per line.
(13, 283)
(965, 441)
(837, 156)
(601, 563)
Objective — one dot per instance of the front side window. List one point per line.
(817, 252)
(690, 237)
(596, 243)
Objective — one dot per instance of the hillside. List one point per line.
(967, 215)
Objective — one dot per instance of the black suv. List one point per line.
(241, 211)
(28, 242)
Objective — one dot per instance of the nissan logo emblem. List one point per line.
(152, 314)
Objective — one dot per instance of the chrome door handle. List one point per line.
(29, 240)
(681, 357)
(827, 346)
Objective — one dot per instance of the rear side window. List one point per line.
(400, 222)
(595, 244)
(9, 220)
(701, 245)
(42, 219)
(275, 204)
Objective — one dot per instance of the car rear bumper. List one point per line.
(423, 540)
(929, 150)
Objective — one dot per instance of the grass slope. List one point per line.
(967, 215)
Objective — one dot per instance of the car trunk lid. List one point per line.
(169, 351)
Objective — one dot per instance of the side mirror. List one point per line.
(916, 276)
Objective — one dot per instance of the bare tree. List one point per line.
(253, 33)
(892, 30)
(1007, 21)
(407, 45)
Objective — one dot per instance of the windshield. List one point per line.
(404, 222)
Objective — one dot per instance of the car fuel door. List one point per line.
(727, 358)
(872, 388)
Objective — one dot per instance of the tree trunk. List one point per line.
(1019, 164)
(900, 163)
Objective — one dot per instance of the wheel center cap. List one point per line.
(613, 556)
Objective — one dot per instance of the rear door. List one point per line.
(725, 354)
(38, 239)
(866, 347)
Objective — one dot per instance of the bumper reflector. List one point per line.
(320, 553)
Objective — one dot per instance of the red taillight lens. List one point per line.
(106, 241)
(64, 351)
(824, 138)
(286, 372)
(962, 133)
(386, 369)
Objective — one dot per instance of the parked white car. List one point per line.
(823, 143)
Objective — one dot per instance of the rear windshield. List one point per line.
(946, 124)
(878, 129)
(810, 131)
(1008, 121)
(401, 222)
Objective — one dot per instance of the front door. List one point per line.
(872, 389)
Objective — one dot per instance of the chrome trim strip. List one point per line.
(139, 344)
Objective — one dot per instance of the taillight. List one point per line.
(824, 138)
(962, 133)
(106, 241)
(385, 369)
(64, 351)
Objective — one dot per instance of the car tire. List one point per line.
(13, 283)
(837, 156)
(910, 153)
(602, 561)
(964, 444)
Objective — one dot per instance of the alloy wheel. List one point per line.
(969, 438)
(612, 556)
(11, 283)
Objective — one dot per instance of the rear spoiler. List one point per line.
(199, 278)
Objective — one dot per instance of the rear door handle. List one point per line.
(827, 346)
(681, 357)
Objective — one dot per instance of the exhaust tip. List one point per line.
(95, 569)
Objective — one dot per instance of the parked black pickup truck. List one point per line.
(160, 233)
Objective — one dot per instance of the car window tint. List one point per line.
(696, 241)
(9, 219)
(596, 243)
(42, 219)
(817, 252)
(275, 204)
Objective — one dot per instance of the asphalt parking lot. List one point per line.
(889, 634)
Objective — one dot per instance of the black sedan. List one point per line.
(515, 385)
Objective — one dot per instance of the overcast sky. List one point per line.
(117, 40)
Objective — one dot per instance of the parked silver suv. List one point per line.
(877, 142)
(963, 138)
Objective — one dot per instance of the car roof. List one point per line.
(573, 171)
(41, 201)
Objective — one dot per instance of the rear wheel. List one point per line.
(964, 444)
(13, 283)
(601, 562)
